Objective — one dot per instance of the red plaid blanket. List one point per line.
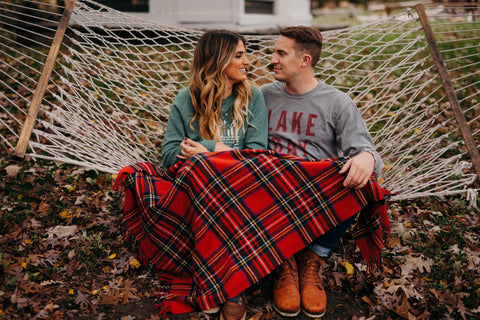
(219, 222)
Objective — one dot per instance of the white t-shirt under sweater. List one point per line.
(322, 123)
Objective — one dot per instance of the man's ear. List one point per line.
(306, 60)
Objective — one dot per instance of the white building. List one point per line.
(240, 15)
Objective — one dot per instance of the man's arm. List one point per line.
(355, 141)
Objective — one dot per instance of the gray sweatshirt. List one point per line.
(322, 123)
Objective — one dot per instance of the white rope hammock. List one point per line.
(116, 75)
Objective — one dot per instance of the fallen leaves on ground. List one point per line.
(63, 256)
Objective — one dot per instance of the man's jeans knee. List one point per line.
(323, 246)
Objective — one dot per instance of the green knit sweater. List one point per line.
(255, 135)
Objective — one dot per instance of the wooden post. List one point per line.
(42, 83)
(447, 85)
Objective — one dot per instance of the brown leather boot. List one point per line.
(314, 299)
(286, 297)
(234, 309)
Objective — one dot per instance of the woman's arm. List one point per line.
(174, 135)
(178, 129)
(256, 135)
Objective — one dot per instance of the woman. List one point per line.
(219, 110)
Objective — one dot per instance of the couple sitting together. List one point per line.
(257, 181)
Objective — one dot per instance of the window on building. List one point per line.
(259, 6)
(126, 5)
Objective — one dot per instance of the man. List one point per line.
(312, 119)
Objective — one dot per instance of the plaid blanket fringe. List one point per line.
(219, 222)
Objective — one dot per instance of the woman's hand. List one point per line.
(190, 148)
(219, 146)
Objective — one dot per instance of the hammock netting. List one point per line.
(116, 76)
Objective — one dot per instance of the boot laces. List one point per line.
(310, 272)
(287, 273)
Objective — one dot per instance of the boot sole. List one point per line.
(242, 318)
(285, 314)
(314, 315)
(213, 310)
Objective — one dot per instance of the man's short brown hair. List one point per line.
(308, 39)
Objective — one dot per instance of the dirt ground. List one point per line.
(342, 304)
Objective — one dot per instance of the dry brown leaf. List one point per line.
(401, 307)
(338, 276)
(50, 307)
(256, 316)
(43, 208)
(368, 301)
(412, 263)
(62, 231)
(394, 286)
(82, 300)
(12, 170)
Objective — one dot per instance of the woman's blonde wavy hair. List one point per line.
(208, 83)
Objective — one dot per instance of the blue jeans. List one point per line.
(323, 246)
